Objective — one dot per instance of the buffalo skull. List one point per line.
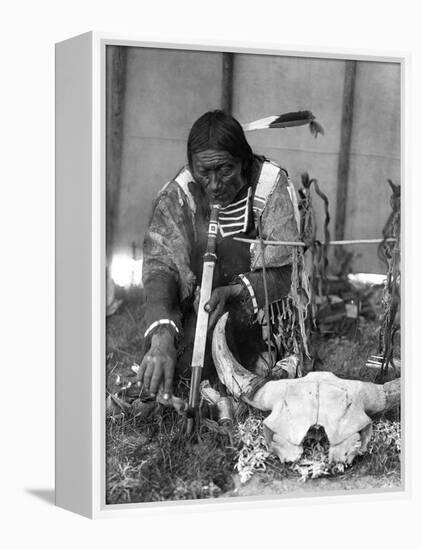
(341, 407)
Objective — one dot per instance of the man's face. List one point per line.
(219, 174)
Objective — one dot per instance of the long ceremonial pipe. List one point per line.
(200, 337)
(299, 243)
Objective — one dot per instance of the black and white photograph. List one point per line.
(210, 289)
(253, 274)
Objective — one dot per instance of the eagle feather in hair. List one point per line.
(287, 120)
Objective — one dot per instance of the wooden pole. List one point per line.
(227, 82)
(345, 147)
(116, 64)
(330, 243)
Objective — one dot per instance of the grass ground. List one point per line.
(149, 458)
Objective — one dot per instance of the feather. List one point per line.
(287, 120)
(260, 124)
(316, 129)
(295, 118)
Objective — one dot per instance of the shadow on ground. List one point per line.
(47, 495)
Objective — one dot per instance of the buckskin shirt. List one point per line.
(176, 240)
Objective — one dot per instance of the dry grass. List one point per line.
(155, 461)
(150, 459)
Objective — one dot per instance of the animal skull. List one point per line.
(341, 406)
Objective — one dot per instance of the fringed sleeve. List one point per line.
(278, 284)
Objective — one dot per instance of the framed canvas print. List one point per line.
(230, 276)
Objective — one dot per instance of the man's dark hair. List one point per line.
(221, 132)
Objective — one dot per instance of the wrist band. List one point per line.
(161, 322)
(247, 284)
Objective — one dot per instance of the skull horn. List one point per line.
(239, 382)
(392, 392)
(262, 394)
(380, 398)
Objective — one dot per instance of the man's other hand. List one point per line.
(158, 364)
(219, 298)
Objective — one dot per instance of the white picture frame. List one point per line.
(80, 272)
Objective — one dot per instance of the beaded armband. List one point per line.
(246, 283)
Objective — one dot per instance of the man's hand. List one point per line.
(220, 296)
(158, 364)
